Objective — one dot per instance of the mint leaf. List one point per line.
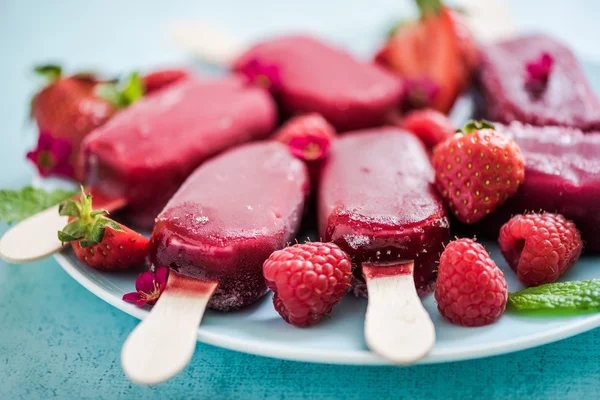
(559, 298)
(16, 205)
(51, 72)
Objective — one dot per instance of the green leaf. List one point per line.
(69, 208)
(74, 229)
(123, 93)
(559, 298)
(109, 92)
(473, 126)
(133, 89)
(112, 224)
(429, 7)
(98, 212)
(64, 237)
(16, 205)
(51, 72)
(95, 234)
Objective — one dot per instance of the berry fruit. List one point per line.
(470, 289)
(477, 170)
(308, 280)
(431, 126)
(99, 241)
(540, 247)
(308, 136)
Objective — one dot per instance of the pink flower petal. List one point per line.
(162, 273)
(145, 282)
(132, 297)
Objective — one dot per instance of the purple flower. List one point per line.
(149, 286)
(419, 93)
(51, 156)
(264, 75)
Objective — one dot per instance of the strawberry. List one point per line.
(436, 50)
(431, 126)
(99, 241)
(477, 170)
(67, 108)
(163, 78)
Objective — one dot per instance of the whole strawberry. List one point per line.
(540, 247)
(308, 280)
(470, 290)
(477, 170)
(431, 126)
(309, 136)
(98, 241)
(67, 109)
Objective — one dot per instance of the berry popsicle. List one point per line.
(537, 80)
(562, 175)
(378, 203)
(215, 234)
(145, 152)
(307, 75)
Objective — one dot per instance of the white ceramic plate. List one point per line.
(260, 330)
(339, 339)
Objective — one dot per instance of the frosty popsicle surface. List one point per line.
(317, 77)
(378, 203)
(146, 152)
(229, 216)
(567, 99)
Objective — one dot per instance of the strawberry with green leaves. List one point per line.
(477, 170)
(436, 55)
(67, 108)
(99, 241)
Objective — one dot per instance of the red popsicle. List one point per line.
(313, 76)
(377, 202)
(146, 152)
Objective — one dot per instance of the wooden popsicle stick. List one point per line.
(489, 20)
(206, 42)
(163, 343)
(36, 237)
(397, 327)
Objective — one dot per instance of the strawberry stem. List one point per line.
(429, 7)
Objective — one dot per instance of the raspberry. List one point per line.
(431, 126)
(477, 170)
(540, 247)
(470, 289)
(309, 136)
(308, 280)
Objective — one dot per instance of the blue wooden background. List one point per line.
(59, 340)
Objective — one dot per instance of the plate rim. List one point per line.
(357, 357)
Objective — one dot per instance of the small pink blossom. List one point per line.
(419, 93)
(538, 70)
(309, 147)
(264, 75)
(51, 156)
(149, 286)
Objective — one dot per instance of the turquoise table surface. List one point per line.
(59, 340)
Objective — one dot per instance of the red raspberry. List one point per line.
(431, 126)
(540, 247)
(309, 136)
(308, 280)
(470, 289)
(477, 170)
